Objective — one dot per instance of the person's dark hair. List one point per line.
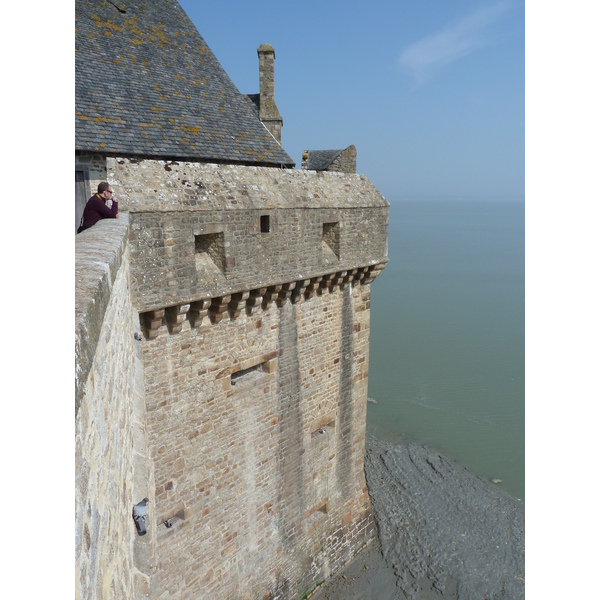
(102, 187)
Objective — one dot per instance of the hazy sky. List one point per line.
(431, 93)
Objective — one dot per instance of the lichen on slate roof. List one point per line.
(146, 84)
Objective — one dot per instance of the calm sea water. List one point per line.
(447, 354)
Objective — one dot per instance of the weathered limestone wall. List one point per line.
(256, 427)
(241, 412)
(111, 464)
(201, 231)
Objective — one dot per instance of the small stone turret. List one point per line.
(268, 111)
(343, 161)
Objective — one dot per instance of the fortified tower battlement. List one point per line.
(253, 289)
(240, 412)
(222, 327)
(200, 232)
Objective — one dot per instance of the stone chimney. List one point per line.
(268, 111)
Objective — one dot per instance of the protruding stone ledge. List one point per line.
(299, 290)
(232, 305)
(152, 321)
(255, 299)
(270, 295)
(198, 310)
(176, 316)
(372, 272)
(238, 303)
(217, 308)
(312, 287)
(285, 293)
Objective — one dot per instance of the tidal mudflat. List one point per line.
(443, 532)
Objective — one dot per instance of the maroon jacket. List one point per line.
(96, 209)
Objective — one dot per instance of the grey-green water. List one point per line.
(447, 354)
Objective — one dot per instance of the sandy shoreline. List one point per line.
(443, 532)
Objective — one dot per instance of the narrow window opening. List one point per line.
(250, 375)
(316, 513)
(253, 372)
(331, 238)
(265, 224)
(209, 248)
(246, 374)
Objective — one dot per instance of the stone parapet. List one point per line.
(98, 257)
(111, 454)
(205, 231)
(173, 186)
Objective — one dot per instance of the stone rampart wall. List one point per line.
(241, 409)
(200, 231)
(111, 465)
(256, 427)
(254, 287)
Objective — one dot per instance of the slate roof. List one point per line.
(319, 160)
(146, 84)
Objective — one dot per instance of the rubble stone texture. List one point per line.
(250, 288)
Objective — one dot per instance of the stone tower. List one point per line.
(222, 328)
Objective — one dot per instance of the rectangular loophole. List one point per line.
(246, 375)
(250, 375)
(331, 238)
(265, 224)
(253, 372)
(316, 513)
(322, 509)
(210, 250)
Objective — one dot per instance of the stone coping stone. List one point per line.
(171, 186)
(99, 252)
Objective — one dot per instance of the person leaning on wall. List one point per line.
(97, 207)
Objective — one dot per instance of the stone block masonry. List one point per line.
(241, 410)
(256, 429)
(202, 231)
(111, 461)
(253, 286)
